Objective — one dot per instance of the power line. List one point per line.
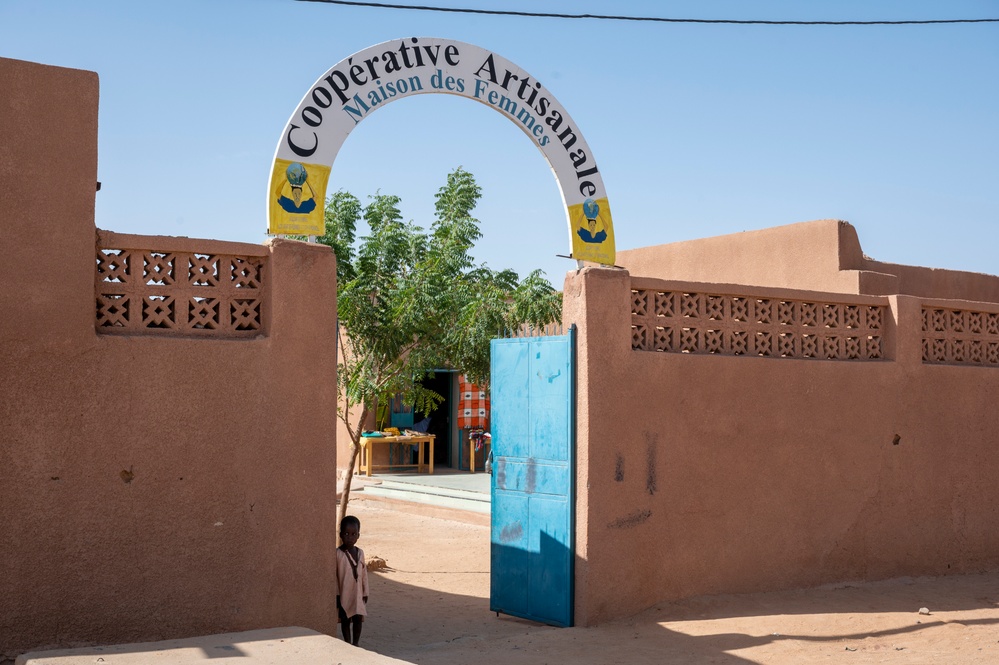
(654, 19)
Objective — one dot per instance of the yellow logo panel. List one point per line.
(297, 198)
(592, 231)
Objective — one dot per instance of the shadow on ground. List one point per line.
(427, 626)
(433, 607)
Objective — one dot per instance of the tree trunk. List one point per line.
(355, 449)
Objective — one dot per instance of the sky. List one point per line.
(698, 130)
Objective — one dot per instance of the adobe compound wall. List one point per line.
(738, 438)
(167, 450)
(823, 255)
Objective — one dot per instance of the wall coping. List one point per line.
(759, 291)
(110, 239)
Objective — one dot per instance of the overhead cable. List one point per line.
(654, 19)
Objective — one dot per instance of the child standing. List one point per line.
(351, 581)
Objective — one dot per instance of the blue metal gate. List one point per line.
(532, 393)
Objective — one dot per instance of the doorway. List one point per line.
(442, 419)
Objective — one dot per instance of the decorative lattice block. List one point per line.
(742, 325)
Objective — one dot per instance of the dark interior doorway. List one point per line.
(440, 419)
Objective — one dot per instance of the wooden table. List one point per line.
(367, 450)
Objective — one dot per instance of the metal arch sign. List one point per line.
(360, 84)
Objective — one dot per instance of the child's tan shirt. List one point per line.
(352, 592)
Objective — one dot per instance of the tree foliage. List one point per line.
(410, 300)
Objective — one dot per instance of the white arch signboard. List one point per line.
(361, 84)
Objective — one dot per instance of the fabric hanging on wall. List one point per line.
(473, 404)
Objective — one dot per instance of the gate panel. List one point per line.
(532, 392)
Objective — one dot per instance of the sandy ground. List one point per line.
(431, 605)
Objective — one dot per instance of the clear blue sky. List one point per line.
(698, 130)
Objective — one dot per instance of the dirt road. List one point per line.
(431, 605)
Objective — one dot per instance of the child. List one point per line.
(351, 581)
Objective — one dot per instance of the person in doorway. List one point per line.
(351, 581)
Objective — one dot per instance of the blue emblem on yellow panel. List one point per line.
(303, 198)
(593, 230)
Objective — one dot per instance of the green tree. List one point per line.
(410, 300)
